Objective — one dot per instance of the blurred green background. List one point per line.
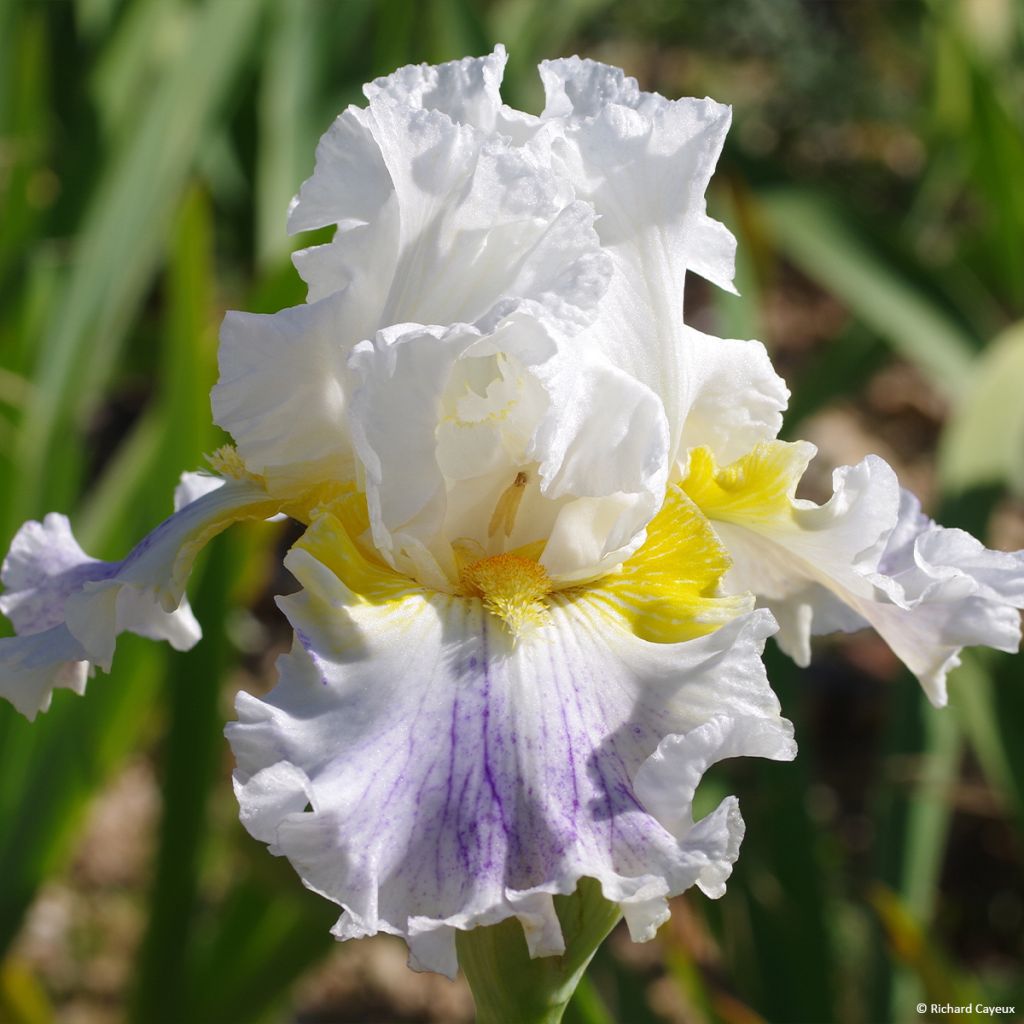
(875, 180)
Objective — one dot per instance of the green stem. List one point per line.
(509, 987)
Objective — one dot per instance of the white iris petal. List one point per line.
(643, 162)
(868, 556)
(69, 608)
(945, 591)
(452, 775)
(738, 398)
(281, 392)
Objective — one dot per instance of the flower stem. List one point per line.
(510, 988)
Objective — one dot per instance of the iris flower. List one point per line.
(549, 526)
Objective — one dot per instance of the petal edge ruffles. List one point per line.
(427, 774)
(69, 609)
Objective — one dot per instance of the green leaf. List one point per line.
(913, 826)
(586, 1005)
(193, 744)
(984, 440)
(263, 937)
(285, 139)
(779, 915)
(988, 703)
(28, 185)
(929, 814)
(94, 16)
(148, 36)
(828, 250)
(121, 241)
(911, 947)
(454, 30)
(191, 759)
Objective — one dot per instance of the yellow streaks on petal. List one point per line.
(512, 587)
(342, 499)
(667, 591)
(759, 487)
(333, 540)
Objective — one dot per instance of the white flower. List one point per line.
(520, 638)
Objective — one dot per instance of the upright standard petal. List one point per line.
(428, 772)
(467, 90)
(644, 163)
(738, 398)
(281, 392)
(440, 223)
(68, 609)
(458, 221)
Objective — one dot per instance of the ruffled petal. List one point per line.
(69, 609)
(34, 665)
(578, 88)
(440, 223)
(945, 590)
(351, 181)
(43, 567)
(400, 378)
(738, 398)
(281, 392)
(467, 90)
(644, 163)
(47, 576)
(866, 557)
(602, 452)
(667, 782)
(427, 774)
(459, 224)
(919, 556)
(605, 431)
(350, 185)
(805, 562)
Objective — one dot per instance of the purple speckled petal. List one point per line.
(68, 608)
(427, 775)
